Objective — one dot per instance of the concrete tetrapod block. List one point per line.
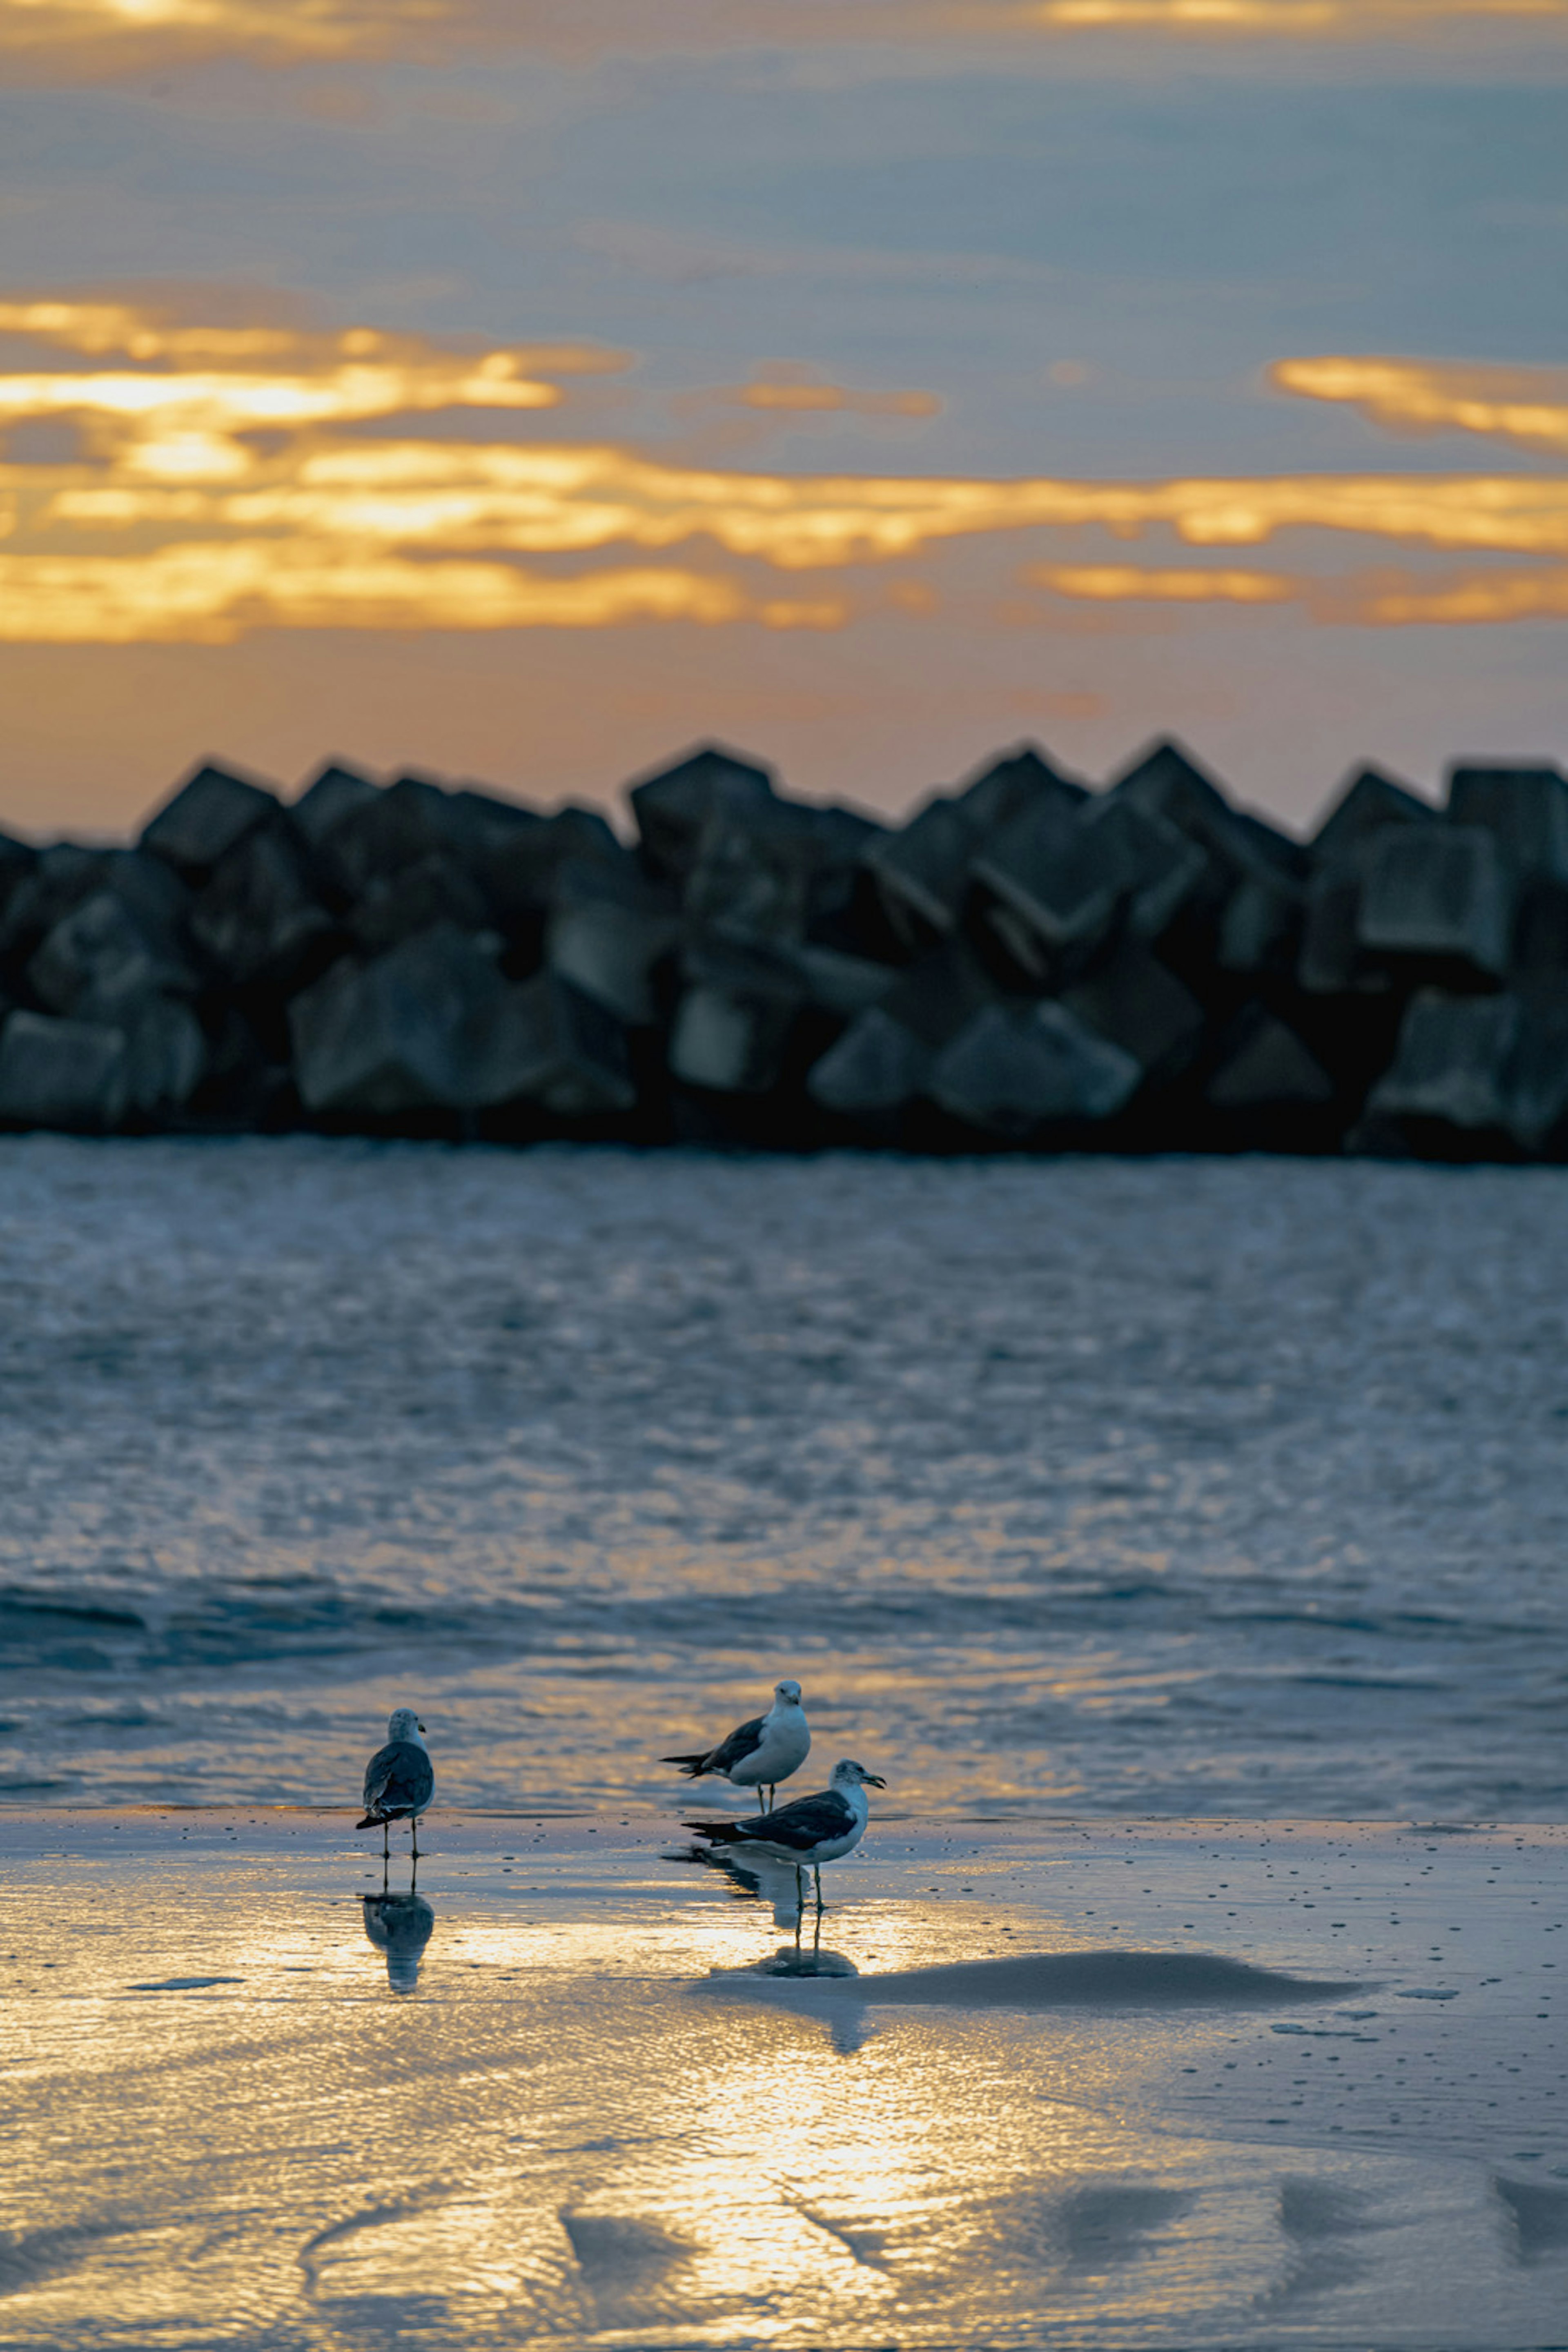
(1525, 810)
(881, 1063)
(734, 1022)
(1065, 873)
(1436, 891)
(520, 875)
(1268, 1067)
(765, 869)
(410, 1030)
(59, 879)
(98, 958)
(1537, 1083)
(1538, 957)
(1452, 1061)
(206, 818)
(1007, 787)
(922, 872)
(551, 1045)
(434, 890)
(608, 930)
(165, 1057)
(1368, 801)
(1261, 928)
(62, 1073)
(328, 798)
(17, 859)
(407, 820)
(1134, 1004)
(260, 919)
(672, 807)
(845, 984)
(1331, 960)
(1016, 1069)
(877, 1067)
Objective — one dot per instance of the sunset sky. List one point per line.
(521, 391)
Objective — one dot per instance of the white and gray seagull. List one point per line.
(758, 1754)
(812, 1831)
(399, 1779)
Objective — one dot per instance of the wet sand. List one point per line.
(1036, 2084)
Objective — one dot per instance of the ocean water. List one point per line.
(1086, 1487)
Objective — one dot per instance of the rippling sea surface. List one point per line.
(1164, 1486)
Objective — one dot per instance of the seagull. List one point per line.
(758, 1754)
(399, 1779)
(812, 1831)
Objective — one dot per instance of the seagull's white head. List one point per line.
(847, 1774)
(788, 1692)
(402, 1724)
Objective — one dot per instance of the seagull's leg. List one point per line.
(816, 1874)
(760, 1807)
(772, 1795)
(385, 1833)
(414, 1835)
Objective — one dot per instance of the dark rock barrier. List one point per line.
(1026, 963)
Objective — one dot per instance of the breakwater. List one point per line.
(1025, 962)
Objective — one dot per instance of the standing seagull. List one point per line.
(399, 1779)
(812, 1831)
(758, 1754)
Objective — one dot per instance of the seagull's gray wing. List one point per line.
(743, 1741)
(399, 1779)
(808, 1822)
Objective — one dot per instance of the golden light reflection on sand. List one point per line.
(215, 479)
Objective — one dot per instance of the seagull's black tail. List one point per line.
(373, 1821)
(692, 1766)
(719, 1832)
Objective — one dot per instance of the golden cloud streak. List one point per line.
(564, 498)
(1528, 406)
(831, 399)
(85, 40)
(1373, 600)
(1480, 598)
(218, 485)
(1289, 20)
(1123, 583)
(205, 593)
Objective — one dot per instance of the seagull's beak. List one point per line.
(874, 1780)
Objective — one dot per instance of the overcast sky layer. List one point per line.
(868, 387)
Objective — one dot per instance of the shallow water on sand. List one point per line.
(1148, 1488)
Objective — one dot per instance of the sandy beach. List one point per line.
(1040, 2082)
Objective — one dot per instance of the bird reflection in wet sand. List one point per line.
(400, 1925)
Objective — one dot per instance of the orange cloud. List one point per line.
(1291, 20)
(208, 593)
(1468, 601)
(222, 478)
(1123, 583)
(91, 39)
(1528, 406)
(830, 399)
